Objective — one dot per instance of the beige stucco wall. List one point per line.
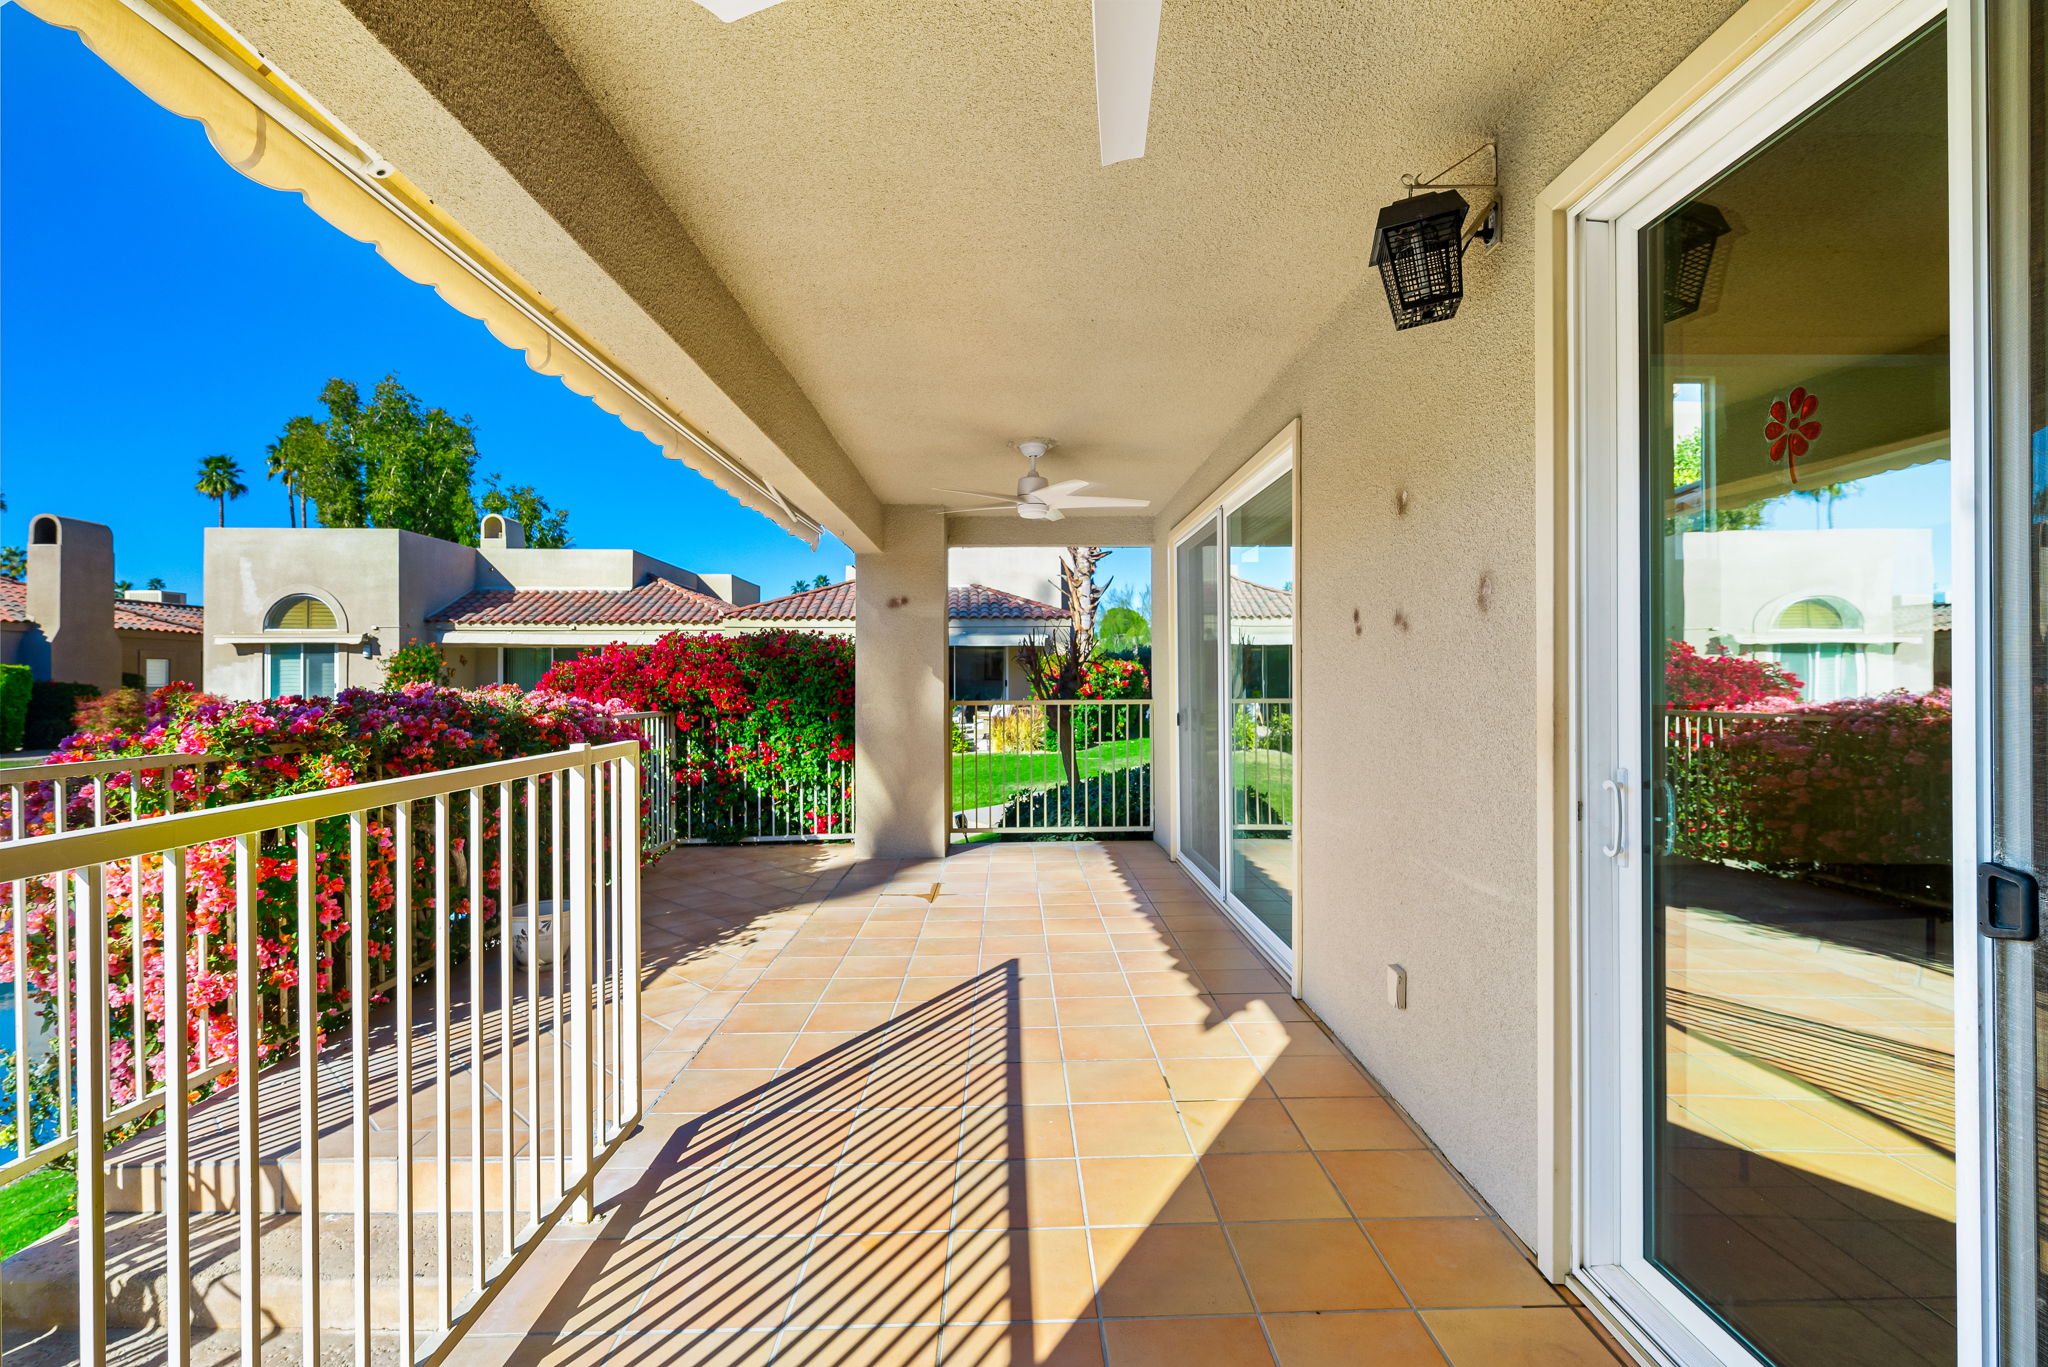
(381, 584)
(1422, 715)
(901, 681)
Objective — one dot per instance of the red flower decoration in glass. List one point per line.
(1791, 428)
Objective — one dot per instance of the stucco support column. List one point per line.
(900, 720)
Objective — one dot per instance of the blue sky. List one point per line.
(157, 307)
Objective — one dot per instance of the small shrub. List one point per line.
(1122, 797)
(133, 681)
(16, 683)
(51, 708)
(415, 662)
(1019, 731)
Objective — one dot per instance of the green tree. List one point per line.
(220, 479)
(391, 462)
(123, 587)
(156, 583)
(821, 582)
(13, 562)
(546, 528)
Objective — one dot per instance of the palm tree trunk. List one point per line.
(223, 501)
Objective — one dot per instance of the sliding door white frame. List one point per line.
(1277, 458)
(1823, 49)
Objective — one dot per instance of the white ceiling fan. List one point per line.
(1126, 46)
(1038, 498)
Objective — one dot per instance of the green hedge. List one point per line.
(16, 683)
(51, 706)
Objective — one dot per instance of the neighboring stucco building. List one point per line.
(986, 628)
(66, 623)
(1845, 609)
(313, 610)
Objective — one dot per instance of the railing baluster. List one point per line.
(506, 983)
(92, 1109)
(177, 1053)
(309, 943)
(473, 872)
(580, 978)
(250, 1219)
(533, 1136)
(444, 1098)
(403, 968)
(359, 993)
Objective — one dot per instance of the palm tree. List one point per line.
(283, 466)
(220, 479)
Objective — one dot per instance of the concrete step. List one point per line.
(39, 1285)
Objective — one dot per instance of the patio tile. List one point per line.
(1218, 1342)
(992, 1115)
(1397, 1184)
(1450, 1263)
(1272, 1186)
(1167, 1270)
(1316, 1265)
(1341, 1122)
(1504, 1338)
(1145, 1191)
(1383, 1339)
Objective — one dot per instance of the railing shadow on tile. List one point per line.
(814, 1203)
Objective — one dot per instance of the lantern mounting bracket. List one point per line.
(1486, 226)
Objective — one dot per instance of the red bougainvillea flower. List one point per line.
(1791, 428)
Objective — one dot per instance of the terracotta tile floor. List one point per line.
(1032, 1104)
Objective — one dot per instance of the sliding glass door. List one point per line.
(1779, 550)
(1234, 576)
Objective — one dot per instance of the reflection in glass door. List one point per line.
(1261, 665)
(1796, 660)
(1198, 634)
(1234, 618)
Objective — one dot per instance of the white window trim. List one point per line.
(1806, 61)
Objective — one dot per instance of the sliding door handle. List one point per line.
(1617, 816)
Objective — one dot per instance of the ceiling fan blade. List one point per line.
(730, 10)
(1007, 500)
(1052, 514)
(1126, 46)
(1096, 501)
(1063, 488)
(984, 508)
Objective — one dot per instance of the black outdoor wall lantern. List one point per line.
(1690, 236)
(1419, 245)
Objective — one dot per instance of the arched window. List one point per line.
(301, 612)
(295, 669)
(1817, 614)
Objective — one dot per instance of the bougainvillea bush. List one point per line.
(1852, 789)
(1727, 683)
(761, 719)
(1102, 680)
(268, 749)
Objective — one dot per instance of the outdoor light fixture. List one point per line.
(1420, 244)
(1690, 236)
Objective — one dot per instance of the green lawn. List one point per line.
(989, 780)
(35, 1205)
(1269, 773)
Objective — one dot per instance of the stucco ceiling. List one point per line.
(904, 196)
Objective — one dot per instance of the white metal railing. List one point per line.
(1064, 766)
(681, 812)
(531, 1070)
(1262, 764)
(658, 737)
(38, 799)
